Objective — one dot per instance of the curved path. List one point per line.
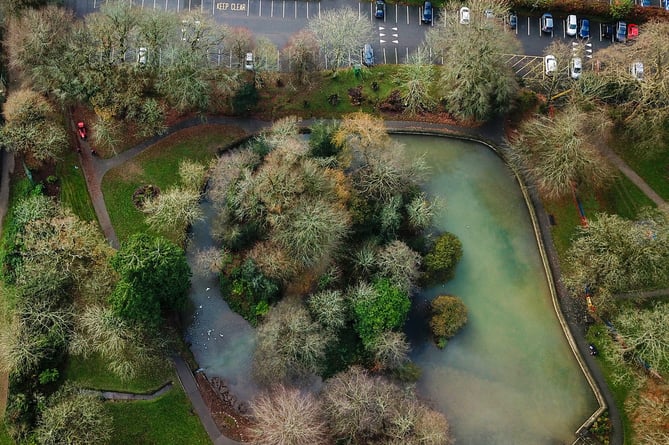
(95, 168)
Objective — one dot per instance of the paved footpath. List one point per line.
(95, 168)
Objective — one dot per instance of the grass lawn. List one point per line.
(159, 165)
(164, 421)
(92, 373)
(621, 382)
(653, 169)
(622, 197)
(312, 100)
(73, 190)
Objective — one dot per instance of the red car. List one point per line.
(632, 31)
(81, 129)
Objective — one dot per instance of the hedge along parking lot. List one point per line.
(159, 165)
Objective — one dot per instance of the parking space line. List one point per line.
(213, 7)
(296, 9)
(307, 9)
(178, 6)
(260, 9)
(248, 10)
(384, 56)
(528, 26)
(283, 11)
(165, 5)
(271, 10)
(319, 10)
(407, 14)
(359, 10)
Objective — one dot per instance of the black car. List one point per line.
(380, 9)
(607, 31)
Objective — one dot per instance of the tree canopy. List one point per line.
(154, 277)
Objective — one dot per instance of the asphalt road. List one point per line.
(398, 34)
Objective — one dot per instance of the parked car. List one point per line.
(607, 31)
(572, 25)
(380, 9)
(141, 56)
(81, 130)
(427, 12)
(645, 3)
(636, 70)
(632, 31)
(547, 23)
(513, 20)
(464, 15)
(550, 64)
(621, 31)
(575, 68)
(584, 32)
(248, 62)
(489, 14)
(368, 55)
(666, 5)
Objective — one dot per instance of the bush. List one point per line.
(248, 291)
(449, 314)
(440, 262)
(245, 100)
(378, 308)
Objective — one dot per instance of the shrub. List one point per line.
(288, 416)
(378, 308)
(440, 262)
(247, 290)
(449, 314)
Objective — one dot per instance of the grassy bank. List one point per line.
(168, 420)
(159, 165)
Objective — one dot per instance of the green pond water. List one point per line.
(509, 377)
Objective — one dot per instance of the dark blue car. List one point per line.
(427, 12)
(380, 9)
(584, 32)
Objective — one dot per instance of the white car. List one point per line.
(248, 62)
(575, 68)
(572, 25)
(141, 56)
(637, 70)
(550, 65)
(464, 16)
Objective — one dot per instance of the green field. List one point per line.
(159, 165)
(168, 420)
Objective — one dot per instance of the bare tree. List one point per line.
(417, 82)
(646, 334)
(400, 264)
(31, 127)
(266, 62)
(617, 255)
(340, 34)
(302, 52)
(560, 153)
(287, 416)
(74, 416)
(290, 344)
(125, 349)
(239, 41)
(476, 82)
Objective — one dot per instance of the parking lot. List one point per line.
(398, 34)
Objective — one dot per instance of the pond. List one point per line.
(509, 376)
